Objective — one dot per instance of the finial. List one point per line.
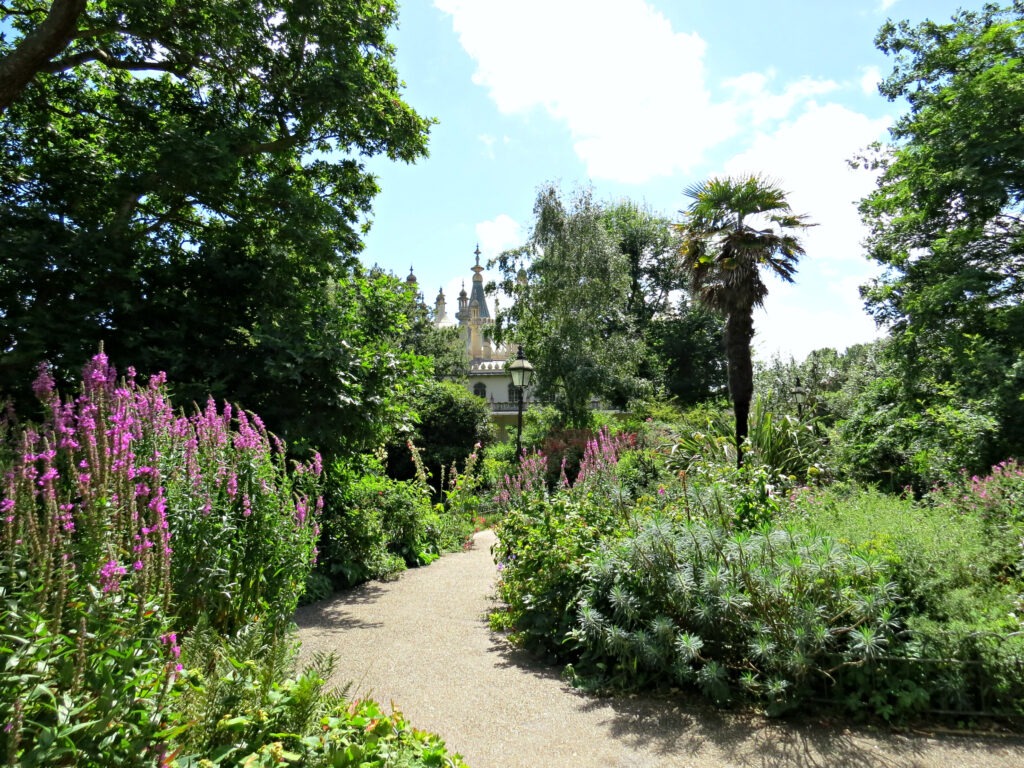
(477, 252)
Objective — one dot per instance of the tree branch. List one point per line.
(37, 48)
(98, 54)
(277, 145)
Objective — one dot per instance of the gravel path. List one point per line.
(421, 643)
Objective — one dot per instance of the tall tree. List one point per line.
(649, 245)
(947, 217)
(185, 182)
(684, 356)
(570, 311)
(734, 229)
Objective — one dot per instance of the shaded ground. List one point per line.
(422, 644)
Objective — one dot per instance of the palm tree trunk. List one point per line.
(739, 332)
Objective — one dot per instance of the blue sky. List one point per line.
(640, 99)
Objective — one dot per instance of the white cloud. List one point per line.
(869, 80)
(498, 234)
(753, 101)
(885, 5)
(634, 110)
(807, 157)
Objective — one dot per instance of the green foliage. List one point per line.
(452, 424)
(125, 525)
(687, 356)
(781, 445)
(960, 579)
(996, 500)
(570, 313)
(465, 492)
(945, 222)
(246, 704)
(683, 344)
(442, 344)
(541, 553)
(203, 220)
(373, 526)
(92, 689)
(734, 584)
(766, 615)
(898, 436)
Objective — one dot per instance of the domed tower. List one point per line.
(440, 311)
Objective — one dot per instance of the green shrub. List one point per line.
(453, 423)
(765, 615)
(246, 704)
(962, 650)
(781, 444)
(944, 561)
(997, 501)
(544, 540)
(90, 690)
(735, 584)
(374, 527)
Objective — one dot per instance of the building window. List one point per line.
(480, 390)
(513, 393)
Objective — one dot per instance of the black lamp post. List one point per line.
(521, 372)
(800, 395)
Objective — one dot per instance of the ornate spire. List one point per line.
(478, 287)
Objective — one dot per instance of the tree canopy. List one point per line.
(946, 217)
(185, 183)
(683, 353)
(570, 310)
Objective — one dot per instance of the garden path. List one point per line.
(421, 643)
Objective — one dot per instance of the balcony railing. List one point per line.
(513, 407)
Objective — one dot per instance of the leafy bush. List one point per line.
(374, 526)
(543, 542)
(767, 615)
(745, 589)
(782, 444)
(919, 439)
(89, 689)
(945, 562)
(246, 704)
(997, 500)
(452, 424)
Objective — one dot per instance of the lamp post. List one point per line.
(521, 372)
(800, 394)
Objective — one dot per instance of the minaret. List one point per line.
(440, 315)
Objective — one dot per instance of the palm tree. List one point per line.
(734, 228)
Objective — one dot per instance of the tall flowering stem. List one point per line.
(196, 516)
(519, 490)
(602, 455)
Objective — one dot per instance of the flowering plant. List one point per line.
(121, 524)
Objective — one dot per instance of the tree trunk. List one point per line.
(38, 48)
(739, 332)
